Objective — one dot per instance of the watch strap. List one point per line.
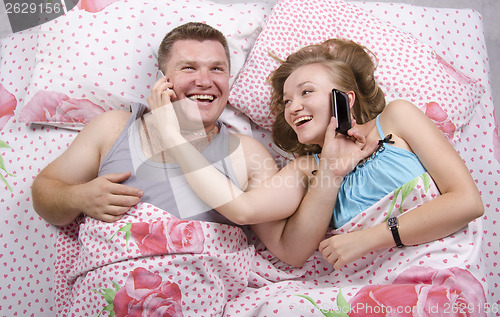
(393, 225)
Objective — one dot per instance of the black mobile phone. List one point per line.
(341, 110)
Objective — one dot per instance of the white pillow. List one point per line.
(90, 62)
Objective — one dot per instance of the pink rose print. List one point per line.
(8, 103)
(434, 111)
(94, 5)
(51, 106)
(150, 237)
(461, 78)
(164, 237)
(146, 294)
(423, 292)
(185, 236)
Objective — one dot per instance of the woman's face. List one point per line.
(307, 98)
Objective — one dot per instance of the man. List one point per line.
(92, 177)
(119, 159)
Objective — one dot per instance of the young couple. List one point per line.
(122, 158)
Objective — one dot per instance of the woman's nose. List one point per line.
(295, 106)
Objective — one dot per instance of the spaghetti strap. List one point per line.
(379, 128)
(316, 157)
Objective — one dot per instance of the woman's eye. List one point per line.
(305, 92)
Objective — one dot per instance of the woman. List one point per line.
(301, 100)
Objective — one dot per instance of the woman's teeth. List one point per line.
(302, 120)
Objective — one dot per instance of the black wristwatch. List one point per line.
(392, 223)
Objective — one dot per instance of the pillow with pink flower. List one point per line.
(8, 104)
(407, 69)
(101, 55)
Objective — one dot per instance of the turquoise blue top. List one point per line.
(387, 169)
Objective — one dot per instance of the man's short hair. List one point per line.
(190, 31)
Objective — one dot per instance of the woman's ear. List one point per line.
(352, 97)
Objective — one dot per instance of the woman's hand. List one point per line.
(341, 153)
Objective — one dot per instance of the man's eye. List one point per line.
(219, 69)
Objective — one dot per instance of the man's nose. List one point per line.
(203, 78)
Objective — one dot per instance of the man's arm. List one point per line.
(69, 186)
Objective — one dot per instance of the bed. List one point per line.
(101, 55)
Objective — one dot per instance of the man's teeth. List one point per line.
(302, 120)
(202, 97)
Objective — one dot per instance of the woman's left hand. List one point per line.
(342, 153)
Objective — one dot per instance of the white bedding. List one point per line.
(27, 258)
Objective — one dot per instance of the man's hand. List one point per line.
(165, 119)
(105, 199)
(161, 94)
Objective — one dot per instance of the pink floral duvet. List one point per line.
(152, 264)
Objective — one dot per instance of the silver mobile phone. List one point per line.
(159, 74)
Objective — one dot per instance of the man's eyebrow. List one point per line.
(194, 62)
(185, 61)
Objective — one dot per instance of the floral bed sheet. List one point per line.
(31, 281)
(151, 263)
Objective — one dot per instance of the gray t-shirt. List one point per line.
(164, 185)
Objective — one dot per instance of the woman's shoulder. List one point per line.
(399, 105)
(398, 111)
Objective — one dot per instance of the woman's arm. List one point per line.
(458, 204)
(269, 200)
(460, 201)
(293, 240)
(269, 195)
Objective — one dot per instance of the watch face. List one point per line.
(392, 222)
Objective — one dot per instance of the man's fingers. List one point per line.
(117, 177)
(124, 190)
(124, 200)
(120, 189)
(112, 217)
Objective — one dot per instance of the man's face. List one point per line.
(199, 72)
